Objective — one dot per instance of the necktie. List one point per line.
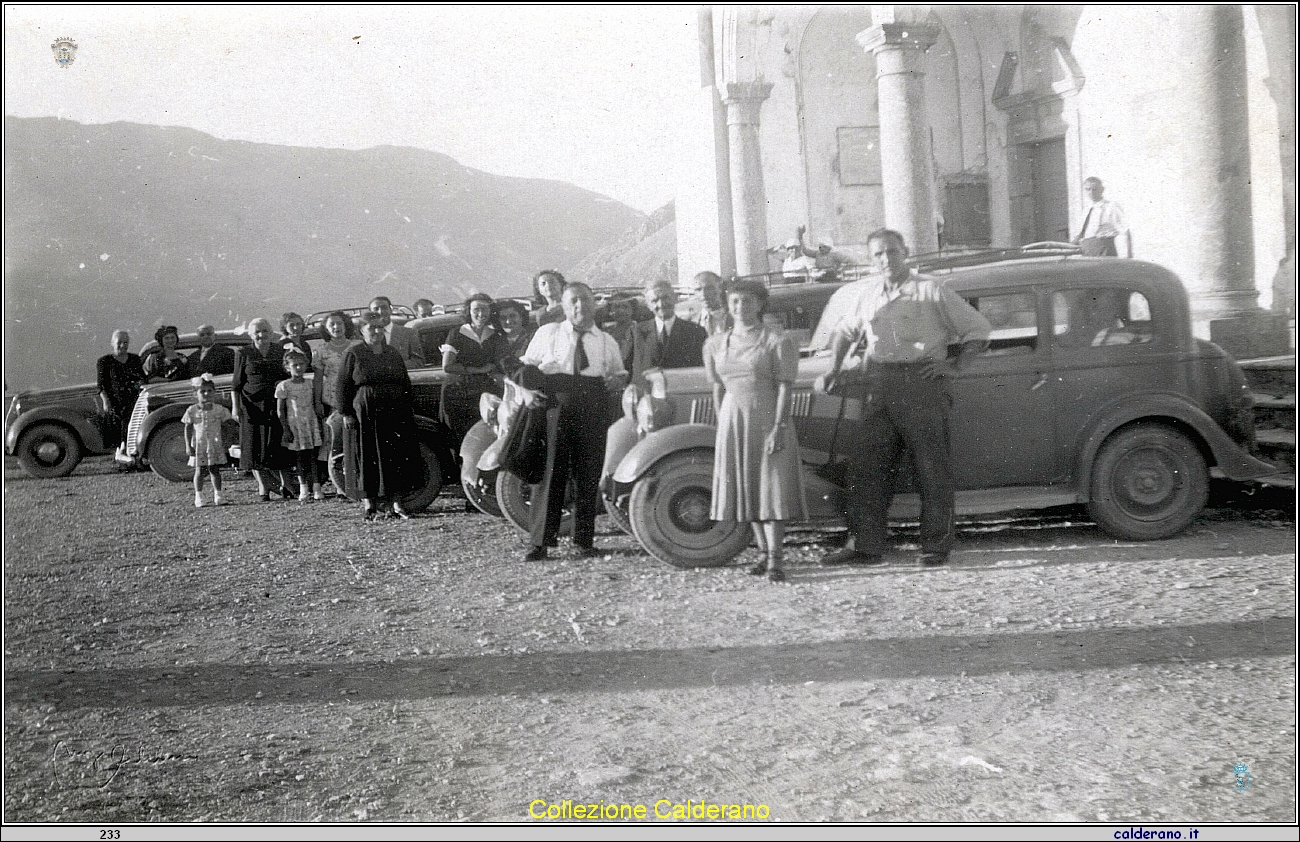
(1083, 231)
(579, 354)
(663, 336)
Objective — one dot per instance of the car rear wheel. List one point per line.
(165, 453)
(669, 514)
(1148, 482)
(422, 498)
(513, 496)
(48, 451)
(619, 514)
(482, 492)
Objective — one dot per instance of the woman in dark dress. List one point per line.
(119, 375)
(164, 362)
(472, 360)
(374, 397)
(258, 367)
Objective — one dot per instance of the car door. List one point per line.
(1002, 426)
(1107, 346)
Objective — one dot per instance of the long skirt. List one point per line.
(260, 434)
(750, 484)
(388, 453)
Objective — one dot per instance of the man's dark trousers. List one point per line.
(901, 409)
(575, 450)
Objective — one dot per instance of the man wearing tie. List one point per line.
(581, 364)
(665, 341)
(1102, 224)
(404, 340)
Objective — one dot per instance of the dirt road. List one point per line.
(281, 662)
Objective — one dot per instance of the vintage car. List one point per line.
(51, 430)
(1093, 390)
(156, 437)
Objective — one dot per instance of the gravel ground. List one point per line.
(287, 662)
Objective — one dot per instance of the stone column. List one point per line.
(748, 200)
(1215, 148)
(907, 169)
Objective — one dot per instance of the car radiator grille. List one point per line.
(800, 407)
(138, 414)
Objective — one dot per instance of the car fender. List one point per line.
(661, 443)
(164, 414)
(477, 440)
(1222, 451)
(80, 424)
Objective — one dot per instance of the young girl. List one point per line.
(203, 440)
(297, 406)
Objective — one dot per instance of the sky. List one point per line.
(594, 96)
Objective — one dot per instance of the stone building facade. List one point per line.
(977, 125)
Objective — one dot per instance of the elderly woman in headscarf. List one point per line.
(258, 367)
(164, 362)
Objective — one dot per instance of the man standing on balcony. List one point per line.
(902, 323)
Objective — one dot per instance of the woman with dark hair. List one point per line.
(548, 289)
(472, 360)
(292, 327)
(374, 398)
(119, 376)
(756, 477)
(258, 367)
(512, 318)
(165, 362)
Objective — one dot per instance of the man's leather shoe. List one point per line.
(850, 556)
(535, 554)
(933, 559)
(587, 552)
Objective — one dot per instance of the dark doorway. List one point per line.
(1040, 196)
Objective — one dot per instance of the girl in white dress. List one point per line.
(203, 439)
(296, 402)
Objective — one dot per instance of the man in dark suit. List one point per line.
(211, 358)
(403, 339)
(665, 341)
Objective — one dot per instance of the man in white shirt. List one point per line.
(403, 339)
(1102, 224)
(581, 364)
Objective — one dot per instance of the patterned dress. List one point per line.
(750, 484)
(209, 446)
(300, 411)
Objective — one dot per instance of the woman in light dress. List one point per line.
(756, 476)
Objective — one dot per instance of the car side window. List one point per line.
(801, 321)
(1095, 318)
(1014, 317)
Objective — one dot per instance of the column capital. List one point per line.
(743, 100)
(896, 36)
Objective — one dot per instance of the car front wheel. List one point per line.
(1148, 482)
(482, 492)
(47, 451)
(514, 498)
(166, 454)
(669, 514)
(422, 498)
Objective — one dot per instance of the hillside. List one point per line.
(126, 225)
